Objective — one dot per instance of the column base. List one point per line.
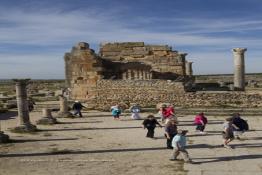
(47, 121)
(26, 128)
(4, 138)
(65, 115)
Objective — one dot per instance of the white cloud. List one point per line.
(51, 28)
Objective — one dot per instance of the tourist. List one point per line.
(239, 125)
(161, 112)
(116, 111)
(200, 122)
(150, 123)
(77, 107)
(135, 110)
(169, 113)
(170, 132)
(179, 145)
(227, 133)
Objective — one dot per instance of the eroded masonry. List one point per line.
(134, 72)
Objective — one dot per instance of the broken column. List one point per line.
(64, 112)
(189, 70)
(239, 72)
(47, 119)
(22, 106)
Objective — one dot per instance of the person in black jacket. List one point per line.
(77, 107)
(239, 125)
(150, 123)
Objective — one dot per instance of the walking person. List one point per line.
(135, 110)
(179, 145)
(239, 125)
(77, 107)
(227, 133)
(116, 111)
(200, 122)
(170, 132)
(150, 124)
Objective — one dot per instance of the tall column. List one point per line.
(189, 70)
(63, 112)
(239, 68)
(22, 106)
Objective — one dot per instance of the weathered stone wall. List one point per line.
(144, 92)
(149, 93)
(161, 57)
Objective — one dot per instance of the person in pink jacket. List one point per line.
(200, 122)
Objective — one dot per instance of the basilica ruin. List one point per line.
(134, 72)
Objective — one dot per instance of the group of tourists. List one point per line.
(233, 126)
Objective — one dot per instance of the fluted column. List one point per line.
(22, 106)
(189, 70)
(239, 68)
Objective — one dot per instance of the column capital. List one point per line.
(239, 50)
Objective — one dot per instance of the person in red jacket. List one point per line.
(200, 122)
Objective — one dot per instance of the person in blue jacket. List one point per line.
(116, 111)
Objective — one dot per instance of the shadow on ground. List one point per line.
(82, 152)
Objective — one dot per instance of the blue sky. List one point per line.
(34, 35)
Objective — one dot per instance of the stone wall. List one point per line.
(144, 92)
(161, 57)
(150, 93)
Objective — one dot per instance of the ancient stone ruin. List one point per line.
(136, 62)
(134, 72)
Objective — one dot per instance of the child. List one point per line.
(227, 133)
(116, 111)
(150, 123)
(179, 144)
(200, 122)
(135, 109)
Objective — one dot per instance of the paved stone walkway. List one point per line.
(96, 144)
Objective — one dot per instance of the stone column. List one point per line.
(129, 73)
(141, 75)
(239, 68)
(183, 61)
(47, 118)
(22, 106)
(189, 70)
(63, 112)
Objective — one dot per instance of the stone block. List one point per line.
(159, 48)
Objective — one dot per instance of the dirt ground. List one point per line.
(98, 145)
